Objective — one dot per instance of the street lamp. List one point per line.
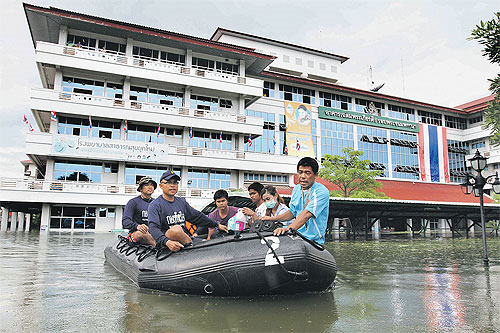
(475, 182)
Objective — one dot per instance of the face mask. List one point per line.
(270, 204)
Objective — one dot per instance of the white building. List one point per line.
(130, 101)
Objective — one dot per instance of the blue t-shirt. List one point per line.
(135, 213)
(163, 214)
(316, 200)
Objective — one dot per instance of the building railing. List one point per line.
(56, 186)
(144, 106)
(157, 65)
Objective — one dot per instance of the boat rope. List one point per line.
(313, 243)
(299, 276)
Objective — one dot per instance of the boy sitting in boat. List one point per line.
(221, 215)
(135, 216)
(254, 190)
(168, 213)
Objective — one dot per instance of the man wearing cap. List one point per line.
(168, 213)
(135, 216)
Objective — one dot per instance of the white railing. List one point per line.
(56, 186)
(144, 106)
(170, 67)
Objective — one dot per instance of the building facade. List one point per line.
(120, 101)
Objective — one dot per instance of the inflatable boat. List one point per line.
(252, 263)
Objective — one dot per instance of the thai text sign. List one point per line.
(367, 119)
(67, 145)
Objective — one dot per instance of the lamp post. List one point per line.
(475, 182)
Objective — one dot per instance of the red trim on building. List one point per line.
(359, 91)
(409, 191)
(476, 105)
(148, 31)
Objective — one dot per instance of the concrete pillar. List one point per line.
(63, 35)
(376, 230)
(121, 173)
(49, 168)
(13, 221)
(471, 231)
(58, 78)
(336, 228)
(129, 48)
(5, 219)
(20, 222)
(184, 177)
(28, 223)
(189, 58)
(45, 218)
(186, 98)
(185, 137)
(408, 227)
(126, 88)
(241, 105)
(443, 227)
(118, 217)
(242, 68)
(53, 127)
(241, 179)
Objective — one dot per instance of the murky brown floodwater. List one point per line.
(59, 282)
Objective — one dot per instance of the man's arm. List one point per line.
(199, 219)
(286, 216)
(128, 215)
(154, 222)
(300, 220)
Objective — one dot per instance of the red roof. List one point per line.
(476, 105)
(410, 191)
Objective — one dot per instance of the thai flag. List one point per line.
(250, 140)
(220, 137)
(190, 132)
(274, 140)
(90, 122)
(53, 116)
(285, 149)
(298, 144)
(28, 124)
(158, 130)
(125, 128)
(433, 153)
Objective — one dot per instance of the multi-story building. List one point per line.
(120, 101)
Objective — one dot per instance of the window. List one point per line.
(335, 136)
(227, 68)
(334, 69)
(476, 119)
(80, 171)
(298, 61)
(114, 90)
(322, 67)
(286, 58)
(174, 132)
(82, 86)
(366, 106)
(80, 127)
(400, 112)
(211, 140)
(134, 173)
(67, 217)
(267, 178)
(264, 143)
(373, 142)
(335, 101)
(139, 94)
(204, 103)
(310, 63)
(81, 41)
(268, 89)
(203, 63)
(225, 103)
(296, 94)
(430, 118)
(111, 47)
(455, 122)
(220, 179)
(457, 151)
(164, 97)
(476, 144)
(404, 151)
(145, 133)
(198, 178)
(156, 55)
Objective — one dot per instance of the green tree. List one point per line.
(488, 34)
(351, 174)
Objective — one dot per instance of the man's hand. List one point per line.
(247, 211)
(222, 227)
(174, 246)
(143, 228)
(280, 231)
(267, 218)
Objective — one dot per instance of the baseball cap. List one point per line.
(167, 175)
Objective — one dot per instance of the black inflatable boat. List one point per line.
(233, 265)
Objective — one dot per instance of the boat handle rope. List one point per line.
(298, 276)
(313, 243)
(142, 251)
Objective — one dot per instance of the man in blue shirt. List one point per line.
(135, 215)
(168, 213)
(309, 204)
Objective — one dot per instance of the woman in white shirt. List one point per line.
(274, 203)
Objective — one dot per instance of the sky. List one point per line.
(419, 49)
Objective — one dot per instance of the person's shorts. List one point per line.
(131, 237)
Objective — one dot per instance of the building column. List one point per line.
(49, 168)
(184, 177)
(63, 35)
(241, 105)
(129, 47)
(13, 221)
(241, 179)
(376, 230)
(336, 228)
(189, 58)
(5, 219)
(126, 88)
(242, 68)
(185, 136)
(121, 173)
(28, 223)
(408, 227)
(53, 126)
(443, 227)
(45, 218)
(186, 98)
(118, 217)
(58, 78)
(20, 222)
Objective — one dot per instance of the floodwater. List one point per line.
(60, 282)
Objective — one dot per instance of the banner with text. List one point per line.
(65, 145)
(299, 129)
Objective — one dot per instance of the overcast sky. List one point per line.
(419, 49)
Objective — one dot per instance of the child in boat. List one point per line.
(254, 190)
(221, 215)
(274, 203)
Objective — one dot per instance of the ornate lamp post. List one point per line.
(475, 182)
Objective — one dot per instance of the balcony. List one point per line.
(119, 64)
(79, 147)
(98, 106)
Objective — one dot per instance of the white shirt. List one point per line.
(261, 210)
